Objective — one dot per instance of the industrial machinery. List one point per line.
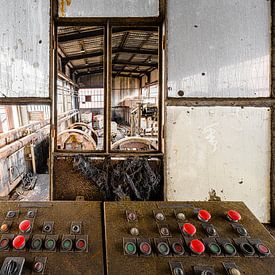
(51, 238)
(186, 238)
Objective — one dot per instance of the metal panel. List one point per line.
(108, 8)
(24, 48)
(219, 48)
(220, 150)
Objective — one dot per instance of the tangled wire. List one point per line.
(132, 178)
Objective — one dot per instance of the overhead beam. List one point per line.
(113, 71)
(67, 59)
(95, 33)
(117, 62)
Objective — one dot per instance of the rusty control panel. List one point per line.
(186, 238)
(51, 238)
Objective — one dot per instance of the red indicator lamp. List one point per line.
(25, 226)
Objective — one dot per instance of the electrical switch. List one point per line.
(19, 242)
(189, 229)
(197, 246)
(204, 215)
(233, 216)
(25, 226)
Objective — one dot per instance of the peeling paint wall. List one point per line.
(108, 8)
(221, 149)
(219, 48)
(24, 48)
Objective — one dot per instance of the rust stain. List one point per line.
(62, 6)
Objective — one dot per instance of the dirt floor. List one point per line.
(40, 192)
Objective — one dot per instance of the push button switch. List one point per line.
(36, 244)
(4, 243)
(163, 248)
(177, 248)
(4, 227)
(214, 249)
(204, 215)
(262, 249)
(189, 229)
(229, 249)
(233, 216)
(247, 249)
(145, 248)
(19, 242)
(25, 226)
(67, 244)
(130, 248)
(197, 247)
(80, 245)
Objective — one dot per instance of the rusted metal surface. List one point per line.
(88, 214)
(102, 177)
(117, 227)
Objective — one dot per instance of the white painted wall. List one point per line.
(24, 48)
(108, 8)
(219, 48)
(226, 149)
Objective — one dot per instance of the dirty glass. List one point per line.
(210, 55)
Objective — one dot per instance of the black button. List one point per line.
(247, 249)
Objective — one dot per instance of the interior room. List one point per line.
(137, 137)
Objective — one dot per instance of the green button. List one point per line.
(50, 244)
(36, 244)
(230, 249)
(214, 248)
(67, 244)
(130, 248)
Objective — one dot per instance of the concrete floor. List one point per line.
(39, 193)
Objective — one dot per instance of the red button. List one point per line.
(189, 229)
(233, 215)
(204, 215)
(263, 249)
(18, 242)
(145, 248)
(81, 244)
(25, 226)
(197, 246)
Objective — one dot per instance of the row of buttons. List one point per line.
(230, 268)
(202, 214)
(216, 247)
(48, 243)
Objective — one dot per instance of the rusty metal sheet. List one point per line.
(24, 48)
(219, 48)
